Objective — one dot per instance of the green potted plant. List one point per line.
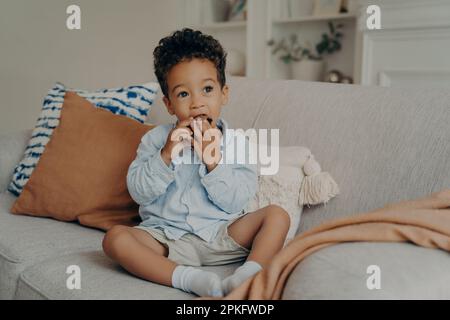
(308, 63)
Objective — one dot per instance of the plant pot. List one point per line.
(308, 70)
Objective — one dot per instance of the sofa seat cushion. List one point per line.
(100, 278)
(340, 272)
(26, 240)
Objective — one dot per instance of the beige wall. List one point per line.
(113, 48)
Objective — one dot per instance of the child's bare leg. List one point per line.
(139, 253)
(264, 232)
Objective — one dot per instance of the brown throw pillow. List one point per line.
(82, 173)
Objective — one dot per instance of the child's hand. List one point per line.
(206, 142)
(177, 139)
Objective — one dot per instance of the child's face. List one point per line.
(194, 91)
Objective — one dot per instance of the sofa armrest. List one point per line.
(12, 147)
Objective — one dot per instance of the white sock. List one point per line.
(192, 280)
(241, 274)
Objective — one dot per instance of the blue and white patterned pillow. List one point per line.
(134, 102)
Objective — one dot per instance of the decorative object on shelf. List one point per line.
(235, 62)
(308, 64)
(336, 76)
(349, 6)
(347, 80)
(353, 6)
(333, 76)
(220, 10)
(327, 7)
(238, 10)
(291, 51)
(308, 70)
(214, 11)
(344, 6)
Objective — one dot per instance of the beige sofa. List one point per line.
(380, 145)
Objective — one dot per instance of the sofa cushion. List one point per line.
(82, 172)
(101, 278)
(283, 187)
(26, 240)
(133, 102)
(381, 145)
(340, 272)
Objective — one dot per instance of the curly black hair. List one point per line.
(184, 45)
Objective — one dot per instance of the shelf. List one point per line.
(222, 25)
(264, 22)
(315, 18)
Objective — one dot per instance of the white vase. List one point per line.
(308, 70)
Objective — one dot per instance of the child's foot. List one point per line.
(202, 283)
(241, 274)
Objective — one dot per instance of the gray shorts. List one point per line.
(192, 250)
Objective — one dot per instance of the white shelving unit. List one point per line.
(271, 19)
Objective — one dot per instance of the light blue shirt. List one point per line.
(183, 197)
